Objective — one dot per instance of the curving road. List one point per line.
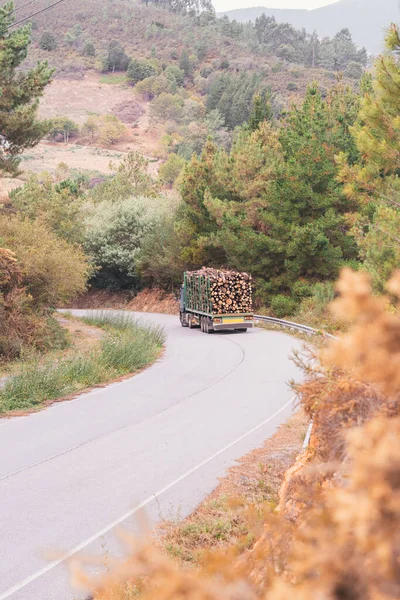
(159, 441)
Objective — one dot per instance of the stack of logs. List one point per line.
(230, 290)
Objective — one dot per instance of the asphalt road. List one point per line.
(159, 441)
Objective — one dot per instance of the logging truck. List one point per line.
(215, 300)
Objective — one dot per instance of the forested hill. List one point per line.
(365, 19)
(76, 36)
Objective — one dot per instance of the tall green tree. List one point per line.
(19, 93)
(273, 205)
(374, 181)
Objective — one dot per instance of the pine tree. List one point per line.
(374, 181)
(19, 93)
(261, 111)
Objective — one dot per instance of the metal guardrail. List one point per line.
(294, 326)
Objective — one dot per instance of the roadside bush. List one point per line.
(53, 271)
(283, 306)
(21, 327)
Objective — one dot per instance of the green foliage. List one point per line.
(185, 63)
(171, 169)
(261, 111)
(116, 58)
(174, 74)
(374, 180)
(63, 126)
(273, 205)
(131, 179)
(296, 46)
(73, 35)
(354, 70)
(167, 107)
(283, 306)
(56, 206)
(53, 270)
(89, 49)
(114, 235)
(152, 87)
(111, 130)
(140, 69)
(19, 93)
(123, 350)
(48, 41)
(232, 96)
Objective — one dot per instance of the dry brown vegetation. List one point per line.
(336, 533)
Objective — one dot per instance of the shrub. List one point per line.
(58, 207)
(63, 126)
(140, 69)
(111, 130)
(115, 59)
(167, 107)
(174, 74)
(292, 87)
(89, 49)
(131, 179)
(152, 87)
(20, 325)
(171, 169)
(354, 70)
(283, 306)
(53, 270)
(114, 235)
(48, 41)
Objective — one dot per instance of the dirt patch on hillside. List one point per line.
(128, 111)
(154, 301)
(78, 99)
(98, 299)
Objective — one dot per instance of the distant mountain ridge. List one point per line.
(366, 19)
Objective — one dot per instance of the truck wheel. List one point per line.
(184, 322)
(191, 322)
(241, 330)
(210, 328)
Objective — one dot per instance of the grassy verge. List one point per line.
(114, 79)
(234, 514)
(126, 347)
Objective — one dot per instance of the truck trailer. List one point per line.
(216, 300)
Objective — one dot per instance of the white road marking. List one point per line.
(12, 590)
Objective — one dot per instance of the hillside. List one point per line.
(148, 31)
(366, 19)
